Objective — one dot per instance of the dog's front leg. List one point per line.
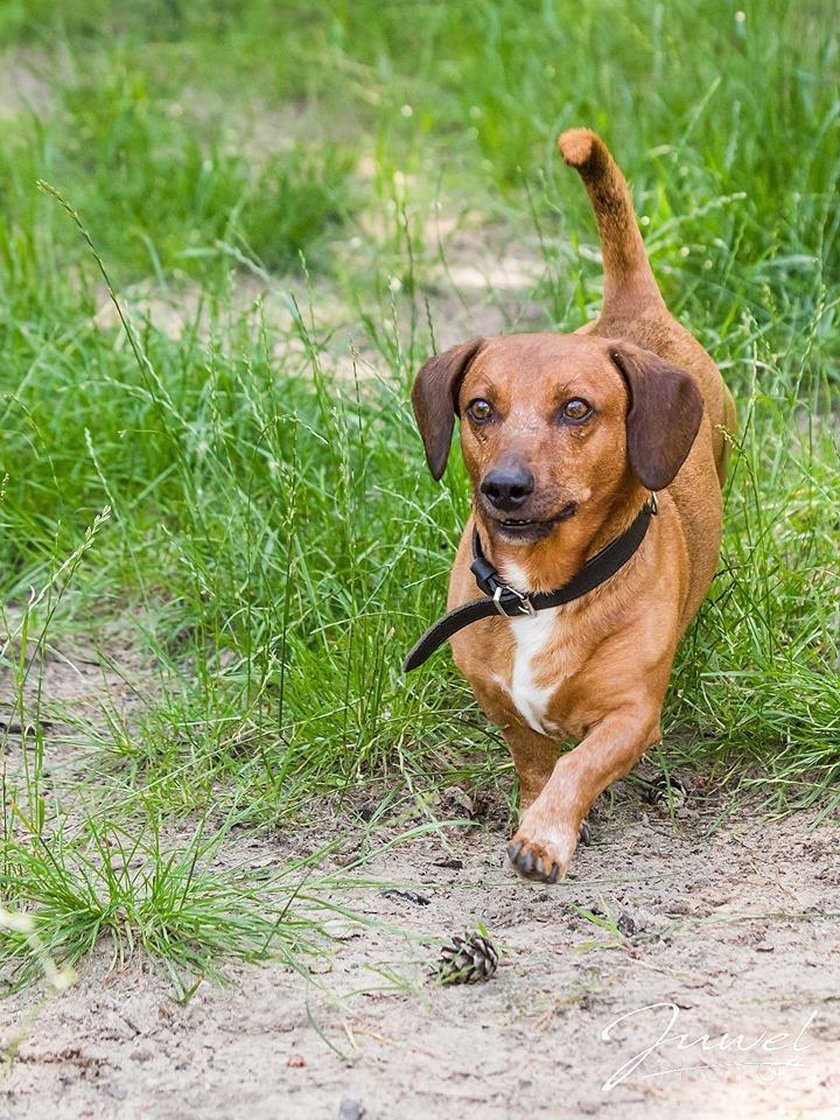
(534, 757)
(548, 829)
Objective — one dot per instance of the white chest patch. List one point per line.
(532, 635)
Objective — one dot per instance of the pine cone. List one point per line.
(467, 960)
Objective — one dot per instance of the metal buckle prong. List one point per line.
(525, 605)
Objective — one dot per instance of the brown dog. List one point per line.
(566, 437)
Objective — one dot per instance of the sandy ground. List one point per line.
(476, 279)
(720, 998)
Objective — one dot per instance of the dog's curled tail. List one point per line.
(628, 280)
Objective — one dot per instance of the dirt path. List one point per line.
(736, 934)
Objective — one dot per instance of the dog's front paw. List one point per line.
(533, 861)
(543, 854)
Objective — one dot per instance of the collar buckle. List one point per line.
(516, 599)
(503, 599)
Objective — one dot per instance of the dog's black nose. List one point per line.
(507, 487)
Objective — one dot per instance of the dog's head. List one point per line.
(551, 423)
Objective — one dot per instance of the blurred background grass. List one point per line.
(281, 196)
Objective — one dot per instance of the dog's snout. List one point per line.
(507, 488)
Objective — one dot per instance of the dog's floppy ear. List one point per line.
(435, 400)
(663, 416)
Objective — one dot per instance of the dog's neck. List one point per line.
(550, 563)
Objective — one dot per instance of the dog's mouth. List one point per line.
(522, 529)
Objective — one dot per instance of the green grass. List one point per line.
(272, 544)
(131, 889)
(166, 202)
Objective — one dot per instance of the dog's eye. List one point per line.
(575, 411)
(480, 410)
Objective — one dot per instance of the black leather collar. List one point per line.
(501, 598)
